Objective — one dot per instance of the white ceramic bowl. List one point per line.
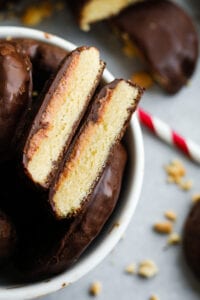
(122, 216)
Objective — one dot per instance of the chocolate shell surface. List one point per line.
(191, 239)
(8, 238)
(15, 93)
(166, 38)
(49, 247)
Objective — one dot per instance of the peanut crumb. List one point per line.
(95, 288)
(147, 269)
(196, 198)
(143, 79)
(130, 269)
(171, 215)
(186, 185)
(174, 239)
(163, 227)
(35, 14)
(154, 297)
(9, 38)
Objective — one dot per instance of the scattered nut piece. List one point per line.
(95, 288)
(130, 269)
(163, 227)
(147, 269)
(171, 215)
(186, 185)
(175, 170)
(174, 239)
(154, 297)
(196, 198)
(34, 14)
(143, 79)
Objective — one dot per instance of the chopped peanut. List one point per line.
(186, 185)
(163, 227)
(143, 79)
(196, 198)
(95, 288)
(34, 14)
(174, 239)
(154, 297)
(130, 269)
(147, 269)
(171, 215)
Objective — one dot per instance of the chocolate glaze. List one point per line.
(7, 238)
(191, 239)
(15, 93)
(166, 38)
(45, 58)
(47, 248)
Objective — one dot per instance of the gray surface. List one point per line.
(174, 280)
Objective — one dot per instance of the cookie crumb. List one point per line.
(186, 185)
(143, 79)
(154, 297)
(171, 215)
(130, 269)
(163, 227)
(196, 198)
(95, 288)
(174, 239)
(147, 269)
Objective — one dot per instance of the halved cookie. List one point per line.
(91, 11)
(104, 127)
(64, 102)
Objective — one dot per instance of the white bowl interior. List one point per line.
(122, 215)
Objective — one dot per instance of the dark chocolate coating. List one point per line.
(7, 238)
(15, 93)
(48, 248)
(45, 59)
(191, 239)
(166, 38)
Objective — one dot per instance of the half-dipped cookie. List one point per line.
(103, 128)
(15, 93)
(49, 247)
(64, 102)
(191, 239)
(91, 11)
(165, 37)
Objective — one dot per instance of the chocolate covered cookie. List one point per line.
(15, 93)
(49, 247)
(104, 127)
(191, 239)
(64, 102)
(165, 37)
(91, 11)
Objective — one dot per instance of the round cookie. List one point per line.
(191, 239)
(48, 247)
(15, 93)
(165, 37)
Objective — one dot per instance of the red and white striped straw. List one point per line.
(171, 137)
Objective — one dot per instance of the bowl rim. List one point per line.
(43, 288)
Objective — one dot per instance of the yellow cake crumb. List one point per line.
(163, 227)
(147, 269)
(130, 269)
(34, 14)
(154, 297)
(143, 79)
(174, 239)
(95, 288)
(171, 215)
